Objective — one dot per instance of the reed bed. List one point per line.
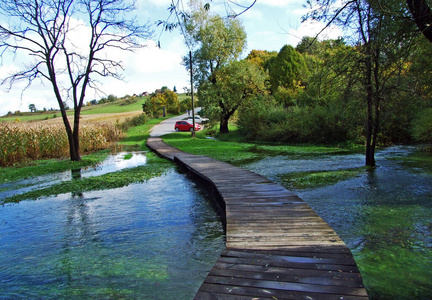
(23, 142)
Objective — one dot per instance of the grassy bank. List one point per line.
(233, 149)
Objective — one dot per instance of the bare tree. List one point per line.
(45, 31)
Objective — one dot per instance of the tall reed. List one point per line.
(22, 142)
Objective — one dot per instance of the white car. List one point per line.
(198, 120)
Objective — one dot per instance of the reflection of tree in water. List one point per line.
(76, 174)
(77, 231)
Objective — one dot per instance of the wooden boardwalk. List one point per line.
(277, 247)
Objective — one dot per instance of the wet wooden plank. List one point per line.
(277, 246)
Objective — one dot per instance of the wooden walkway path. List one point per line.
(277, 247)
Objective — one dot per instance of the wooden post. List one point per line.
(192, 94)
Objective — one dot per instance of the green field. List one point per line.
(118, 106)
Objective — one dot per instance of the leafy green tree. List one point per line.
(286, 69)
(261, 57)
(173, 104)
(220, 42)
(382, 46)
(235, 84)
(111, 98)
(158, 101)
(422, 126)
(32, 108)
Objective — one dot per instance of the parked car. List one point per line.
(186, 126)
(198, 120)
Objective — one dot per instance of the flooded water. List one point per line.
(115, 162)
(383, 215)
(153, 240)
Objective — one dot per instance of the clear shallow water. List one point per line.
(155, 240)
(384, 216)
(113, 163)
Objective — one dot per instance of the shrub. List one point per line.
(422, 126)
(263, 121)
(134, 121)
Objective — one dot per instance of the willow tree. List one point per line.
(220, 42)
(234, 85)
(68, 43)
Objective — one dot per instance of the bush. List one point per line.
(263, 121)
(131, 122)
(422, 126)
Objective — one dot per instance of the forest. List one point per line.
(371, 87)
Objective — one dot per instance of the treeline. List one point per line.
(374, 89)
(314, 93)
(165, 101)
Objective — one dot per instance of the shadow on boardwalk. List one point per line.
(277, 247)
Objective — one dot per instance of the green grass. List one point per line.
(119, 106)
(137, 135)
(232, 148)
(318, 179)
(27, 117)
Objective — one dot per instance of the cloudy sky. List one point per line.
(269, 24)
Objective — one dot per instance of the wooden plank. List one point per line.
(207, 290)
(339, 291)
(277, 246)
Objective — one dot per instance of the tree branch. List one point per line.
(422, 15)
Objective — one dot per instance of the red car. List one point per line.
(185, 126)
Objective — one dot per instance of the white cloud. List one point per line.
(281, 3)
(158, 3)
(312, 28)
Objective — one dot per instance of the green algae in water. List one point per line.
(396, 244)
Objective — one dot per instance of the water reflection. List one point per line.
(155, 240)
(76, 173)
(112, 163)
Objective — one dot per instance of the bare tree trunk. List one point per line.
(75, 151)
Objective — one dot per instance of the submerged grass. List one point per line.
(154, 167)
(309, 180)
